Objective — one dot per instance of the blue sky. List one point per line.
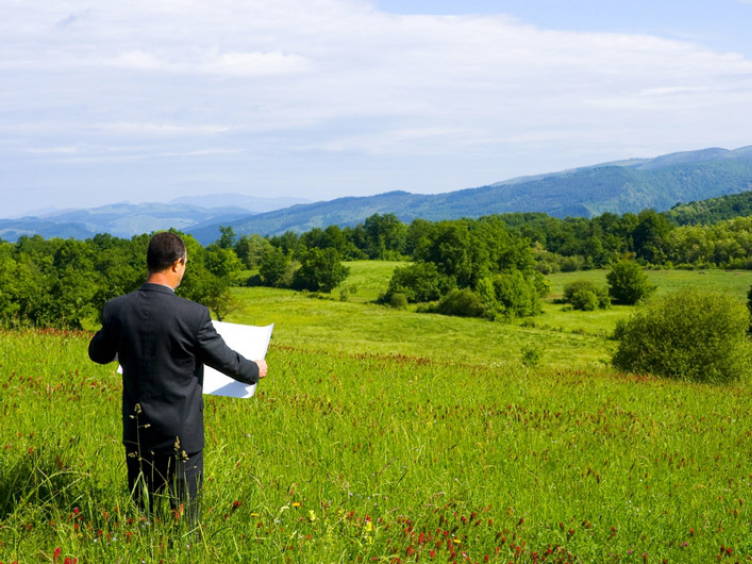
(149, 101)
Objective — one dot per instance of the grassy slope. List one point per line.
(500, 459)
(565, 338)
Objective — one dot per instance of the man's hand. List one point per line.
(261, 367)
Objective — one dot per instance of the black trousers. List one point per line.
(178, 476)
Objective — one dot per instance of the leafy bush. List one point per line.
(627, 283)
(517, 295)
(398, 301)
(418, 282)
(531, 356)
(584, 300)
(572, 263)
(586, 295)
(461, 303)
(689, 334)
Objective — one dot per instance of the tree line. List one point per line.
(491, 267)
(64, 282)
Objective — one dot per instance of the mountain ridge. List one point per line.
(617, 187)
(629, 185)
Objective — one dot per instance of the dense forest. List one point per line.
(491, 267)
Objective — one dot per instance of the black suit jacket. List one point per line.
(162, 342)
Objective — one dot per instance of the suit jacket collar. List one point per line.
(160, 288)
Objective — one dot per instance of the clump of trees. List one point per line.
(585, 295)
(63, 283)
(689, 335)
(474, 268)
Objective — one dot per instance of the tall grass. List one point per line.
(418, 438)
(344, 456)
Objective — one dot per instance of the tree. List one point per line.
(251, 249)
(227, 239)
(517, 294)
(222, 263)
(449, 247)
(218, 298)
(8, 289)
(386, 236)
(690, 334)
(649, 235)
(273, 267)
(627, 283)
(320, 270)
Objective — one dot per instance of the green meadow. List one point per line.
(384, 435)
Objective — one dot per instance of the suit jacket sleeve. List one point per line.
(103, 346)
(215, 353)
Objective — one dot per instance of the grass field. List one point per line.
(390, 436)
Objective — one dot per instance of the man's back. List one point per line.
(162, 342)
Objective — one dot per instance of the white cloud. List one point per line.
(54, 150)
(169, 77)
(215, 63)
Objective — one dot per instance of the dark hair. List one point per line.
(164, 249)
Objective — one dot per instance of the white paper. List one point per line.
(249, 340)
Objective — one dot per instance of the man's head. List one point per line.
(166, 255)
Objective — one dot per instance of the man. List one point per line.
(162, 343)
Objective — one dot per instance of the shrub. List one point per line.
(586, 296)
(571, 264)
(627, 283)
(690, 334)
(398, 301)
(418, 282)
(584, 300)
(531, 356)
(518, 295)
(462, 303)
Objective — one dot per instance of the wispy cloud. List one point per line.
(214, 63)
(278, 79)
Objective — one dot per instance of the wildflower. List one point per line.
(296, 504)
(311, 516)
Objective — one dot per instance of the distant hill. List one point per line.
(250, 203)
(714, 210)
(618, 187)
(122, 220)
